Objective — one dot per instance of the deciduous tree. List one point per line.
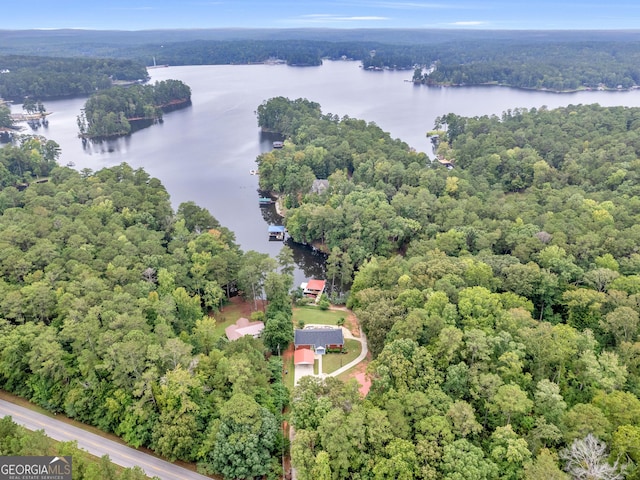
(586, 459)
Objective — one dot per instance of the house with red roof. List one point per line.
(313, 288)
(304, 357)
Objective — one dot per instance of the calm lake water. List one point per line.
(204, 153)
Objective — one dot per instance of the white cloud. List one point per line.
(471, 23)
(411, 5)
(325, 17)
(417, 5)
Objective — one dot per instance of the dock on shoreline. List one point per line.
(29, 117)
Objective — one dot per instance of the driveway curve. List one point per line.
(96, 445)
(347, 334)
(363, 354)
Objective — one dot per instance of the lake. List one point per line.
(204, 152)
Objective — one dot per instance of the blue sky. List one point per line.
(467, 14)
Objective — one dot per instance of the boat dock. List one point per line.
(23, 117)
(276, 232)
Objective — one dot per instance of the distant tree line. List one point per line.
(111, 112)
(559, 62)
(49, 77)
(554, 66)
(558, 65)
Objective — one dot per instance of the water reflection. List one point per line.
(269, 213)
(308, 259)
(103, 146)
(267, 139)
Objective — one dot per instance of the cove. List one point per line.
(204, 152)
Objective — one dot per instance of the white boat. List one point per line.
(253, 172)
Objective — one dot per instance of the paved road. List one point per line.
(97, 445)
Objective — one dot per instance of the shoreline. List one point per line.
(529, 89)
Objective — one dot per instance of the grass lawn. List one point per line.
(228, 316)
(333, 361)
(312, 315)
(349, 374)
(289, 376)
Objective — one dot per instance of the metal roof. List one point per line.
(304, 356)
(315, 285)
(319, 336)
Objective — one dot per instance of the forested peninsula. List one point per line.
(114, 112)
(42, 78)
(500, 296)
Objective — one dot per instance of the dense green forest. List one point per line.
(16, 440)
(106, 297)
(552, 60)
(47, 77)
(558, 67)
(5, 117)
(111, 112)
(500, 298)
(32, 158)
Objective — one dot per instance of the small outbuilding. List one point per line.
(304, 356)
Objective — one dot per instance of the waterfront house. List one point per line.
(313, 288)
